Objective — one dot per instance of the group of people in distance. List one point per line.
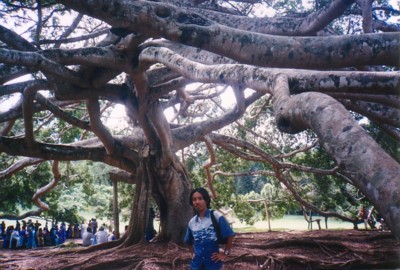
(26, 234)
(93, 236)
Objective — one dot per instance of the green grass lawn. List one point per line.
(288, 223)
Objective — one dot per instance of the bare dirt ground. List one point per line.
(318, 249)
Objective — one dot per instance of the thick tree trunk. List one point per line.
(169, 187)
(172, 196)
(137, 222)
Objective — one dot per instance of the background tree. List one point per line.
(144, 55)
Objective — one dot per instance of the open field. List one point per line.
(290, 223)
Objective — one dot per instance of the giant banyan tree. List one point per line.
(143, 55)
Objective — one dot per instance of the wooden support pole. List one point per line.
(115, 209)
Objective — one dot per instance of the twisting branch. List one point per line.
(151, 117)
(18, 87)
(196, 131)
(40, 192)
(385, 27)
(91, 149)
(250, 152)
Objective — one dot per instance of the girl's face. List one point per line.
(199, 203)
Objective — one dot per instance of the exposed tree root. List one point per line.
(322, 249)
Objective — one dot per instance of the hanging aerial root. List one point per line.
(208, 165)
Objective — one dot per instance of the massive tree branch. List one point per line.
(285, 25)
(84, 150)
(161, 20)
(260, 78)
(370, 168)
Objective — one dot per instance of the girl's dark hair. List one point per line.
(203, 193)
